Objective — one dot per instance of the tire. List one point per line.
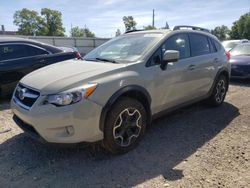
(219, 91)
(125, 126)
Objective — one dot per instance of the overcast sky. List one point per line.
(103, 17)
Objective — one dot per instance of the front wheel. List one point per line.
(219, 91)
(125, 126)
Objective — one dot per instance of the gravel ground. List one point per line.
(194, 147)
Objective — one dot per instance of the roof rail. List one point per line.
(135, 30)
(179, 27)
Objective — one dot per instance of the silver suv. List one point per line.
(120, 87)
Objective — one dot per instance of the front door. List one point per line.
(169, 87)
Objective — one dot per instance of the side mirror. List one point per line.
(169, 56)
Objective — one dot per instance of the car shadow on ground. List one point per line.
(168, 142)
(240, 82)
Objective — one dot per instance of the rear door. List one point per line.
(203, 59)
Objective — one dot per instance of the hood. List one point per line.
(67, 74)
(243, 60)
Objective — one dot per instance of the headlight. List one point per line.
(71, 96)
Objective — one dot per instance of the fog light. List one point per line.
(70, 130)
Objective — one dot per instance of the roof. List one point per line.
(160, 31)
(167, 31)
(49, 47)
(15, 39)
(236, 40)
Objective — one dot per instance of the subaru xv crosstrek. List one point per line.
(120, 87)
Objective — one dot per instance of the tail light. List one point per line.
(78, 55)
(228, 55)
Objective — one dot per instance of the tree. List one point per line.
(221, 32)
(129, 22)
(53, 22)
(88, 33)
(149, 27)
(76, 32)
(81, 32)
(28, 22)
(241, 27)
(117, 33)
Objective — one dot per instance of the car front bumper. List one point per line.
(68, 124)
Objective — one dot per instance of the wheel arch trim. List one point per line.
(220, 72)
(121, 92)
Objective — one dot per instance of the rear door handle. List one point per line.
(191, 67)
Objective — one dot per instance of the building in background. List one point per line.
(3, 32)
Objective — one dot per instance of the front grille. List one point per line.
(25, 97)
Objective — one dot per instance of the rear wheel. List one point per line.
(219, 91)
(125, 125)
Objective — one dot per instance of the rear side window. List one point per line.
(217, 45)
(33, 51)
(199, 45)
(180, 43)
(212, 46)
(14, 51)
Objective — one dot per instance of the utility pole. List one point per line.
(153, 22)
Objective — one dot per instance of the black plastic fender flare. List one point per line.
(119, 93)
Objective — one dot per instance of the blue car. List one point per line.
(240, 61)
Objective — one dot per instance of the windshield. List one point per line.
(127, 48)
(243, 49)
(230, 45)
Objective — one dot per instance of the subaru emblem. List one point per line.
(21, 94)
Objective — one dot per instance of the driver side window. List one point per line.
(178, 42)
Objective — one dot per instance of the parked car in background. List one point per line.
(240, 61)
(121, 86)
(230, 44)
(19, 57)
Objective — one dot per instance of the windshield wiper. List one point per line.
(106, 60)
(89, 59)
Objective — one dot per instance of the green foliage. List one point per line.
(129, 22)
(88, 33)
(221, 32)
(117, 33)
(76, 32)
(52, 22)
(241, 28)
(149, 27)
(29, 22)
(81, 32)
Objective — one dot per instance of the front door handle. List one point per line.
(191, 67)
